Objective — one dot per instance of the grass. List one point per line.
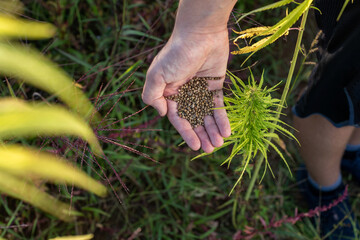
(107, 47)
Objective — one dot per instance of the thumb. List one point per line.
(153, 93)
(160, 105)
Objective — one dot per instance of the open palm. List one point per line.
(181, 59)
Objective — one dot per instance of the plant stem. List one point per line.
(282, 101)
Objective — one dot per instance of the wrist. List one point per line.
(203, 16)
(190, 37)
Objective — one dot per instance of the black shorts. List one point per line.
(334, 84)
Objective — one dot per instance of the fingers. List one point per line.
(213, 132)
(220, 116)
(206, 144)
(207, 137)
(183, 127)
(153, 93)
(215, 84)
(160, 106)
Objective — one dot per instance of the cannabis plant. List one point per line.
(252, 114)
(20, 166)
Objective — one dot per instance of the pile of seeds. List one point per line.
(195, 101)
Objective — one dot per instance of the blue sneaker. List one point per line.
(351, 163)
(339, 221)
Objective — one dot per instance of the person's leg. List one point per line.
(355, 137)
(322, 147)
(351, 159)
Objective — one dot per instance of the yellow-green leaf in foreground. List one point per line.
(33, 68)
(11, 27)
(21, 189)
(82, 237)
(19, 119)
(25, 162)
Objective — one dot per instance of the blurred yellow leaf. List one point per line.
(33, 68)
(19, 119)
(82, 237)
(21, 189)
(11, 27)
(8, 104)
(24, 162)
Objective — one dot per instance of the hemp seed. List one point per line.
(195, 101)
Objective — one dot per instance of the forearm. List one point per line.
(203, 16)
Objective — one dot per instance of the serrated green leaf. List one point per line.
(280, 154)
(242, 173)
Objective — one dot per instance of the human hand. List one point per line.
(184, 56)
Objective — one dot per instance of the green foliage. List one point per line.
(252, 113)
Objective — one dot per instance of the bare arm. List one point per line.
(203, 16)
